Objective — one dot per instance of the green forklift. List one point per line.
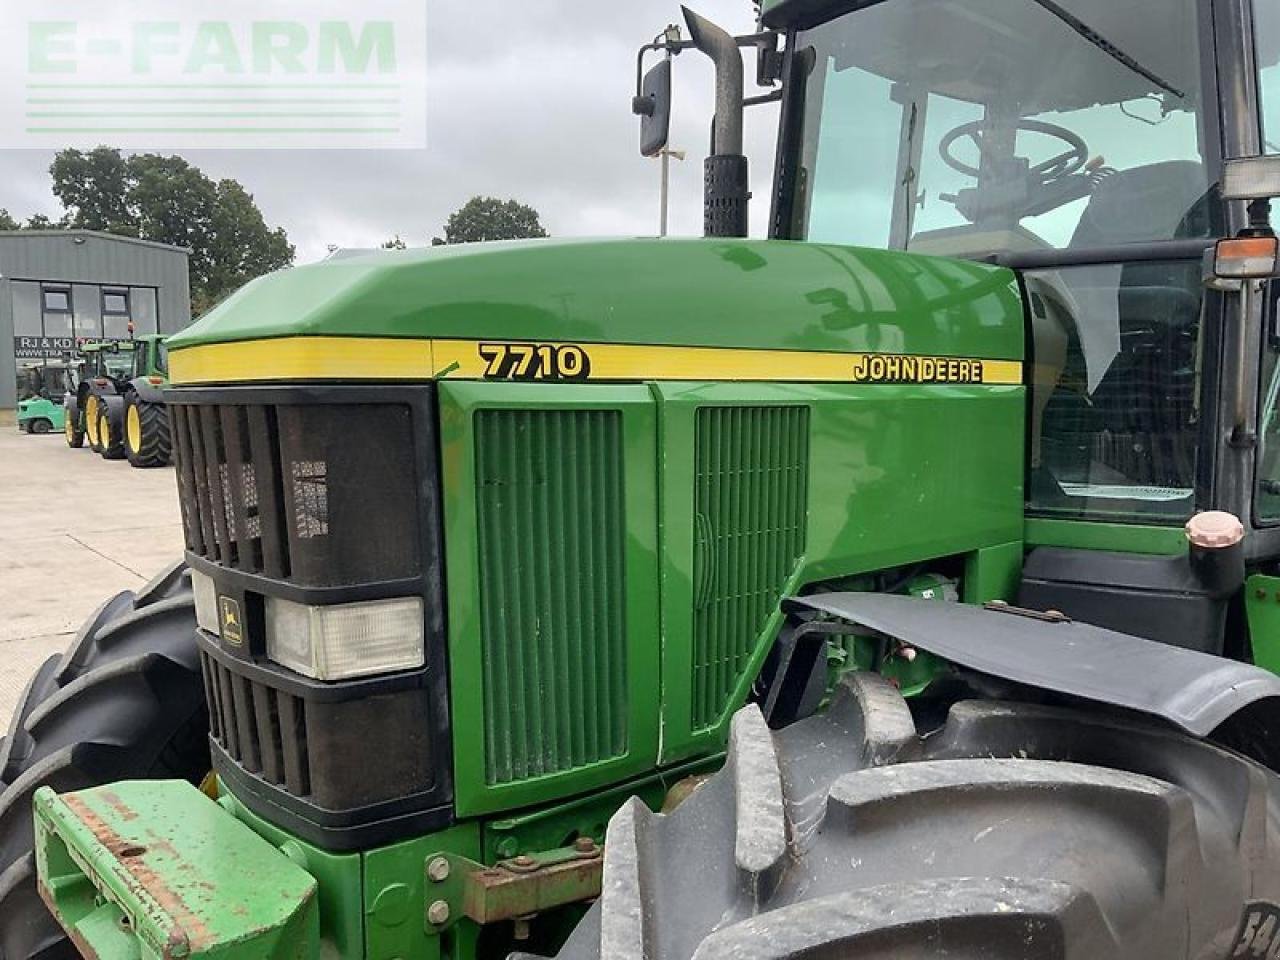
(41, 393)
(905, 584)
(118, 405)
(37, 415)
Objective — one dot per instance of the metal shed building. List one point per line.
(60, 287)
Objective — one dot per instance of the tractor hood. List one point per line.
(734, 294)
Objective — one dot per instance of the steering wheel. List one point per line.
(1064, 165)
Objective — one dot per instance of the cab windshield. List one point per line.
(117, 365)
(1050, 132)
(980, 126)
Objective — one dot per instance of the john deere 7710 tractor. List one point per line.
(119, 406)
(905, 584)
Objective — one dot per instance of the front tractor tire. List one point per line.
(1012, 831)
(146, 432)
(125, 702)
(91, 404)
(74, 433)
(72, 423)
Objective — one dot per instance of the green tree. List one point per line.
(94, 187)
(487, 218)
(37, 221)
(168, 200)
(395, 243)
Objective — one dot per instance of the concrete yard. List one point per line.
(74, 529)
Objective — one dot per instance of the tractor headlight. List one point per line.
(346, 640)
(206, 596)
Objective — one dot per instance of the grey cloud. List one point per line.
(529, 100)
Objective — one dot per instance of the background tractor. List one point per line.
(118, 405)
(904, 584)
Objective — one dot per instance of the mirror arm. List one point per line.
(674, 47)
(1242, 433)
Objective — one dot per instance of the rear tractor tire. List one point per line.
(1012, 831)
(146, 432)
(110, 428)
(125, 702)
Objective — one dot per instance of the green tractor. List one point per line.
(119, 403)
(906, 584)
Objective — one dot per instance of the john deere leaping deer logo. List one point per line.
(229, 615)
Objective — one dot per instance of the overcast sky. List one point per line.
(529, 100)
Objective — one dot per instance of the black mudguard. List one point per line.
(147, 391)
(1194, 691)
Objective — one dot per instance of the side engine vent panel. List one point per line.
(551, 541)
(751, 473)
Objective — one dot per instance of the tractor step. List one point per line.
(158, 871)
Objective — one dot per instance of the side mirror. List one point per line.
(1254, 254)
(653, 107)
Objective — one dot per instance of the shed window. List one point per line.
(57, 299)
(115, 303)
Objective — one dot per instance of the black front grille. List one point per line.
(263, 729)
(319, 494)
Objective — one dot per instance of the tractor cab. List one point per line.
(1080, 146)
(1084, 147)
(123, 360)
(108, 360)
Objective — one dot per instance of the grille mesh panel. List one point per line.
(551, 521)
(751, 476)
(229, 485)
(322, 494)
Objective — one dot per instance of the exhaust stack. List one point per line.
(725, 179)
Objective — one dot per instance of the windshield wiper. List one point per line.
(1107, 47)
